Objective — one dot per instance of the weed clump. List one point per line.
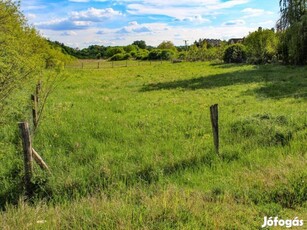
(263, 129)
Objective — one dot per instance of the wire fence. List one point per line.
(102, 64)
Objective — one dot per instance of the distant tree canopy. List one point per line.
(23, 52)
(167, 45)
(141, 44)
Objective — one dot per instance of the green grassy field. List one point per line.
(131, 148)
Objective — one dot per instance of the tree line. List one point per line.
(287, 43)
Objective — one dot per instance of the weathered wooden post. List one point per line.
(27, 152)
(34, 110)
(215, 126)
(98, 65)
(82, 65)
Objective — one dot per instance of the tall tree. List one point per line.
(292, 26)
(292, 12)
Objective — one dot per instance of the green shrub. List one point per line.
(120, 56)
(235, 54)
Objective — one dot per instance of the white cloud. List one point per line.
(69, 33)
(181, 9)
(251, 12)
(134, 23)
(80, 19)
(63, 24)
(31, 16)
(94, 15)
(234, 23)
(134, 27)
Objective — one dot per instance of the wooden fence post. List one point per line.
(82, 65)
(98, 65)
(27, 152)
(34, 110)
(215, 126)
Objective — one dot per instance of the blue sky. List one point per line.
(80, 23)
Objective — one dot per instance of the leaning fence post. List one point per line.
(27, 152)
(215, 126)
(39, 160)
(34, 110)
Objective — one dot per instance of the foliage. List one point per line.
(293, 26)
(141, 44)
(235, 53)
(23, 52)
(111, 51)
(131, 48)
(158, 54)
(141, 54)
(261, 46)
(292, 12)
(167, 45)
(120, 56)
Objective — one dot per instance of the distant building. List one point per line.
(213, 42)
(235, 40)
(209, 42)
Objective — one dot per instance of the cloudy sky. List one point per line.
(80, 23)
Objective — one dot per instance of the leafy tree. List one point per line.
(154, 54)
(131, 48)
(293, 28)
(261, 45)
(111, 51)
(141, 44)
(292, 12)
(235, 53)
(167, 45)
(142, 54)
(23, 52)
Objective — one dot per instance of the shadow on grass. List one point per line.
(277, 81)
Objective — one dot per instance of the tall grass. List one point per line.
(131, 147)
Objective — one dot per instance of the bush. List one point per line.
(120, 56)
(158, 54)
(235, 54)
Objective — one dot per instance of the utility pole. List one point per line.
(186, 49)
